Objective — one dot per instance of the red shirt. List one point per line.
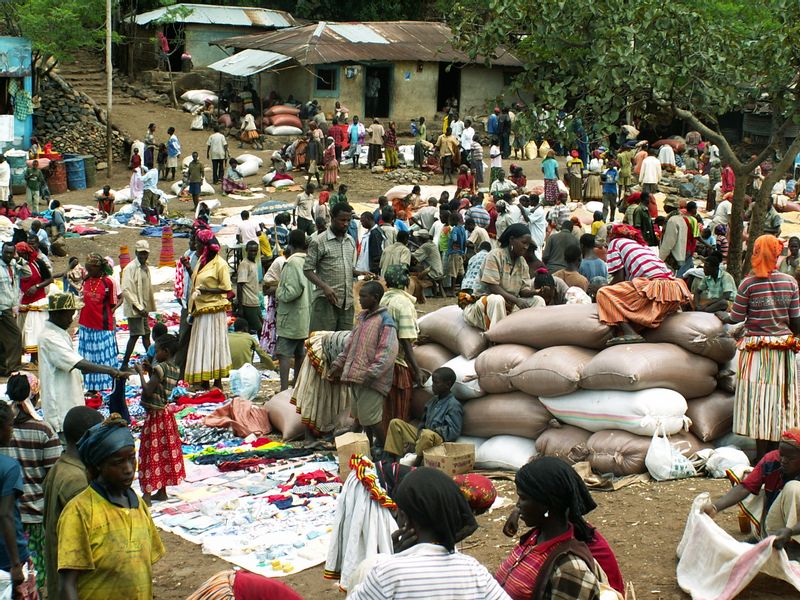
(99, 300)
(28, 282)
(769, 475)
(465, 182)
(339, 135)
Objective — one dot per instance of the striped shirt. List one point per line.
(37, 449)
(766, 305)
(636, 260)
(430, 572)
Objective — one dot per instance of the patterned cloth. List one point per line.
(269, 335)
(766, 305)
(209, 355)
(637, 260)
(23, 105)
(35, 534)
(471, 280)
(478, 490)
(100, 347)
(160, 455)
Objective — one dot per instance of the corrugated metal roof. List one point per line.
(249, 62)
(325, 43)
(212, 14)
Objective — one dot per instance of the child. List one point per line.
(14, 558)
(599, 225)
(160, 456)
(64, 481)
(105, 200)
(610, 191)
(441, 422)
(73, 278)
(367, 361)
(248, 295)
(102, 526)
(136, 160)
(161, 161)
(456, 249)
(159, 329)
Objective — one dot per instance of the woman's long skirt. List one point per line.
(100, 347)
(209, 355)
(160, 454)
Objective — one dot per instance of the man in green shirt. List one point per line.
(34, 180)
(293, 317)
(243, 344)
(196, 171)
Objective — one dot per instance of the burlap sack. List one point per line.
(551, 372)
(505, 414)
(432, 356)
(622, 453)
(494, 366)
(726, 378)
(284, 417)
(563, 325)
(643, 366)
(447, 327)
(698, 332)
(419, 398)
(712, 416)
(565, 442)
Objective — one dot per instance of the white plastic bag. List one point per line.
(725, 458)
(245, 382)
(197, 123)
(664, 461)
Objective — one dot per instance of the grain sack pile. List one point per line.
(542, 381)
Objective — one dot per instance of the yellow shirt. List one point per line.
(264, 246)
(113, 547)
(596, 226)
(215, 275)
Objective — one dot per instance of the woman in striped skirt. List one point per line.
(97, 341)
(767, 302)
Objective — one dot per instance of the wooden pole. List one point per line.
(109, 92)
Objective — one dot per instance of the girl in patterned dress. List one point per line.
(160, 455)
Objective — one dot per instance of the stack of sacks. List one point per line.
(194, 99)
(282, 120)
(551, 382)
(249, 164)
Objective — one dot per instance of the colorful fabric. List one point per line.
(364, 470)
(791, 436)
(215, 274)
(478, 490)
(35, 534)
(766, 305)
(269, 335)
(99, 299)
(160, 455)
(765, 255)
(100, 347)
(209, 355)
(765, 404)
(643, 302)
(769, 477)
(636, 259)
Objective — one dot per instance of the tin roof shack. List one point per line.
(16, 89)
(190, 27)
(392, 69)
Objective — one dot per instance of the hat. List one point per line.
(58, 302)
(142, 246)
(422, 234)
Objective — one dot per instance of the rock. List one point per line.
(101, 166)
(377, 169)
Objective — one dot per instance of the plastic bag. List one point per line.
(664, 461)
(197, 123)
(245, 382)
(725, 458)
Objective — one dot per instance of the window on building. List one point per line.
(327, 81)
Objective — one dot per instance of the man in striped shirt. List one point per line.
(643, 289)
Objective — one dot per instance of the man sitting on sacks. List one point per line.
(506, 277)
(770, 495)
(643, 289)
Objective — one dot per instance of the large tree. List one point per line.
(605, 59)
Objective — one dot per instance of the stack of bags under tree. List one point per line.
(543, 381)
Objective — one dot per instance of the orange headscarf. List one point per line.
(765, 255)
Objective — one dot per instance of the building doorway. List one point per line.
(377, 91)
(449, 85)
(177, 45)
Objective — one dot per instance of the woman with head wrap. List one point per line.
(97, 340)
(766, 390)
(209, 355)
(562, 556)
(506, 277)
(37, 448)
(331, 174)
(433, 517)
(33, 302)
(400, 305)
(102, 526)
(643, 289)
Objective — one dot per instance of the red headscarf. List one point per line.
(209, 242)
(620, 230)
(765, 255)
(25, 248)
(791, 436)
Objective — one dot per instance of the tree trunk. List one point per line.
(172, 83)
(736, 228)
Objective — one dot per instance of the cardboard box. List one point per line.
(452, 458)
(348, 444)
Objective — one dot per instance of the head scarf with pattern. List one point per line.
(93, 258)
(620, 230)
(25, 248)
(209, 242)
(397, 276)
(791, 436)
(104, 439)
(765, 255)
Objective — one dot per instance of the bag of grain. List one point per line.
(447, 327)
(712, 416)
(466, 386)
(505, 414)
(551, 372)
(284, 417)
(563, 325)
(698, 332)
(726, 378)
(638, 412)
(544, 149)
(531, 151)
(644, 366)
(617, 452)
(505, 452)
(565, 442)
(494, 366)
(432, 356)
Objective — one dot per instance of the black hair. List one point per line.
(543, 279)
(169, 342)
(241, 324)
(469, 221)
(373, 288)
(341, 208)
(572, 254)
(368, 216)
(250, 244)
(485, 246)
(78, 420)
(587, 241)
(387, 214)
(245, 215)
(18, 388)
(567, 225)
(402, 237)
(6, 414)
(297, 239)
(159, 329)
(171, 130)
(447, 375)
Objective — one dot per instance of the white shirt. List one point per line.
(538, 227)
(61, 383)
(666, 155)
(466, 138)
(713, 152)
(217, 146)
(427, 215)
(5, 174)
(436, 232)
(515, 210)
(305, 206)
(651, 170)
(722, 215)
(248, 230)
(496, 156)
(502, 186)
(429, 572)
(457, 128)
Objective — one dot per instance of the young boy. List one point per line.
(105, 200)
(442, 421)
(66, 479)
(102, 526)
(610, 178)
(242, 344)
(456, 249)
(247, 288)
(159, 329)
(294, 309)
(571, 275)
(367, 361)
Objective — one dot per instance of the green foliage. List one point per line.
(361, 10)
(58, 28)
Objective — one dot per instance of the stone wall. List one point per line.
(72, 123)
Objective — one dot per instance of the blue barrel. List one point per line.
(76, 174)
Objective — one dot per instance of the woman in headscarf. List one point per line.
(209, 355)
(562, 555)
(33, 303)
(93, 563)
(233, 182)
(433, 517)
(331, 175)
(594, 190)
(97, 340)
(400, 305)
(390, 146)
(643, 289)
(575, 176)
(766, 402)
(506, 277)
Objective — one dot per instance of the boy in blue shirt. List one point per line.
(610, 178)
(456, 249)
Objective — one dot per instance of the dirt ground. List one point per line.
(643, 522)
